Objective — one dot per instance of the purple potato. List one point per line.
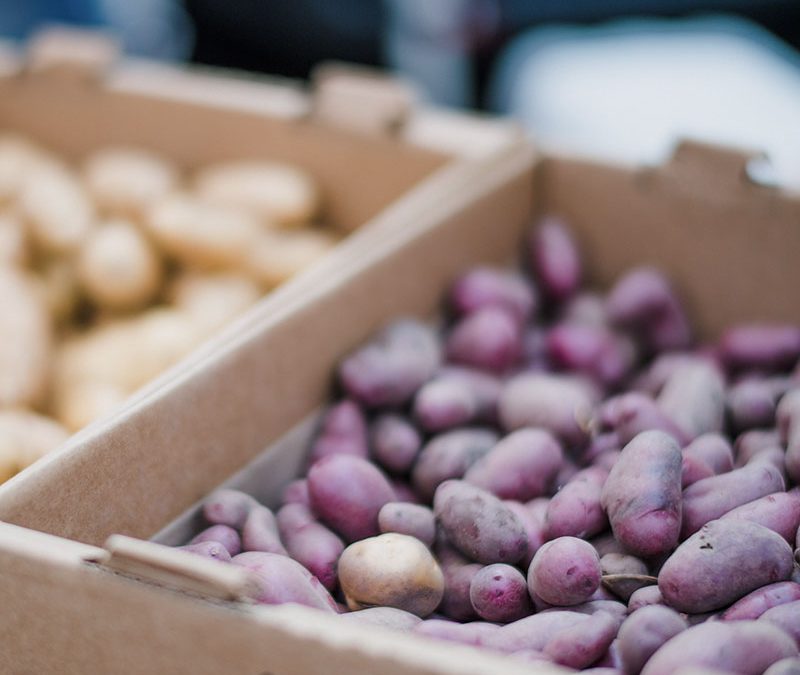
(488, 287)
(389, 370)
(534, 526)
(443, 403)
(644, 597)
(458, 574)
(714, 450)
(694, 398)
(565, 571)
(754, 604)
(634, 413)
(343, 432)
(449, 455)
(760, 346)
(555, 259)
(559, 404)
(594, 351)
(786, 617)
(281, 579)
(642, 494)
(411, 519)
(222, 534)
(745, 647)
(478, 524)
(260, 532)
(533, 632)
(208, 549)
(228, 507)
(645, 302)
(581, 645)
(499, 593)
(780, 512)
(395, 442)
(751, 404)
(296, 492)
(521, 466)
(723, 562)
(694, 470)
(347, 493)
(713, 497)
(789, 666)
(489, 339)
(750, 443)
(788, 417)
(310, 543)
(644, 632)
(576, 510)
(475, 633)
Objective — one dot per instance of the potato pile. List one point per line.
(112, 270)
(558, 475)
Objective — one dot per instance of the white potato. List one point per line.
(199, 234)
(118, 267)
(126, 181)
(56, 208)
(25, 436)
(25, 340)
(277, 193)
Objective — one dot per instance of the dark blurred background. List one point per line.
(288, 37)
(613, 78)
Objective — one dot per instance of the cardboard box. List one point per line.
(76, 601)
(373, 150)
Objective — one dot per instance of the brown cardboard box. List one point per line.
(75, 601)
(71, 92)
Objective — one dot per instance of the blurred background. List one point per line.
(617, 79)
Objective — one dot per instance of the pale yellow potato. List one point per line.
(58, 286)
(17, 157)
(278, 256)
(277, 193)
(126, 353)
(212, 300)
(118, 267)
(126, 181)
(13, 241)
(84, 402)
(391, 570)
(202, 235)
(26, 436)
(56, 208)
(25, 340)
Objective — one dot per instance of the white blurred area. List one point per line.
(627, 91)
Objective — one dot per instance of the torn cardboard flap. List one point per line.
(177, 569)
(715, 173)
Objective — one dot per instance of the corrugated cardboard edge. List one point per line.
(94, 450)
(100, 621)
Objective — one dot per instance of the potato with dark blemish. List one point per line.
(721, 563)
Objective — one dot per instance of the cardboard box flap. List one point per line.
(86, 54)
(177, 569)
(716, 173)
(360, 99)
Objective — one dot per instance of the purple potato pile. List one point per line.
(559, 474)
